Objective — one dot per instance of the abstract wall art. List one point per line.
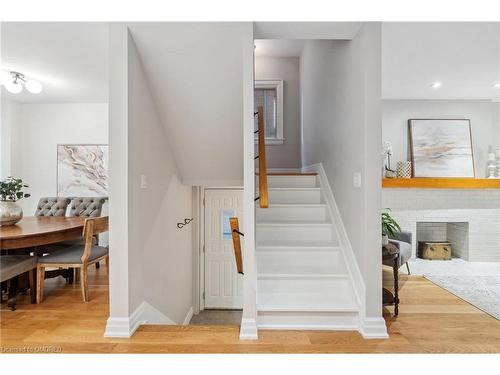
(82, 170)
(441, 148)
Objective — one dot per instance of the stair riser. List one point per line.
(291, 181)
(299, 262)
(292, 213)
(294, 196)
(326, 287)
(308, 320)
(313, 233)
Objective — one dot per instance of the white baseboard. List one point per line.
(119, 327)
(345, 243)
(143, 314)
(369, 327)
(373, 328)
(248, 329)
(188, 317)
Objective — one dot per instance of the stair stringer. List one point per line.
(369, 328)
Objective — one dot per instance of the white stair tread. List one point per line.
(305, 302)
(292, 205)
(281, 221)
(290, 245)
(294, 188)
(303, 276)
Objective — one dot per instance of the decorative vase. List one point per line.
(404, 169)
(385, 239)
(10, 213)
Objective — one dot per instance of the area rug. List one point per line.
(480, 291)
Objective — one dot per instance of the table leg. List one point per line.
(32, 277)
(13, 293)
(396, 285)
(71, 275)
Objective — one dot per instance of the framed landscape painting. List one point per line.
(441, 148)
(82, 170)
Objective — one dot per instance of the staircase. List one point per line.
(302, 278)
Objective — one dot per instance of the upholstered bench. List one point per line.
(12, 266)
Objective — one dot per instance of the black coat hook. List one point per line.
(186, 222)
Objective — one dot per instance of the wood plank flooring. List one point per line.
(431, 320)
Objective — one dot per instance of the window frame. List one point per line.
(278, 86)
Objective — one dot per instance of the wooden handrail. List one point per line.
(235, 231)
(263, 194)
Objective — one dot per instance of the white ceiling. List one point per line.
(278, 47)
(306, 30)
(69, 59)
(464, 57)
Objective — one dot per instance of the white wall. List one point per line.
(36, 130)
(195, 73)
(341, 127)
(151, 269)
(286, 155)
(155, 243)
(10, 126)
(485, 129)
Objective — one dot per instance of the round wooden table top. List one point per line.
(34, 231)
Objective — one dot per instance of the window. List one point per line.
(226, 225)
(269, 95)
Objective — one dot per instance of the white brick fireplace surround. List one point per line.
(480, 208)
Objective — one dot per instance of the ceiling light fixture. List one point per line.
(14, 82)
(497, 85)
(436, 85)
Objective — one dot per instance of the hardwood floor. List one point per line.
(431, 320)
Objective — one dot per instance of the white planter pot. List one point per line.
(385, 239)
(10, 213)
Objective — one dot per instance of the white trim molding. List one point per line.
(143, 314)
(188, 317)
(368, 327)
(373, 328)
(248, 329)
(278, 86)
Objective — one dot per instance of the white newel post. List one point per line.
(248, 329)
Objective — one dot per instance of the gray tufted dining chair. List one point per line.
(52, 206)
(87, 207)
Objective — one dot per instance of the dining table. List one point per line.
(36, 231)
(35, 234)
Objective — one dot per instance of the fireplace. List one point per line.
(457, 233)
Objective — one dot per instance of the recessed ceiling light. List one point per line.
(497, 85)
(436, 85)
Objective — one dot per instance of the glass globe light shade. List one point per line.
(13, 88)
(33, 86)
(5, 77)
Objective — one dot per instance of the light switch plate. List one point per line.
(356, 180)
(144, 182)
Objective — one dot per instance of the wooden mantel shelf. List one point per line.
(442, 183)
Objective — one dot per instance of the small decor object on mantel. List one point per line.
(11, 190)
(441, 148)
(387, 152)
(390, 227)
(404, 169)
(492, 165)
(498, 164)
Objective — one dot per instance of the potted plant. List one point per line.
(390, 227)
(11, 190)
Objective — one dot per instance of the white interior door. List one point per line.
(223, 284)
